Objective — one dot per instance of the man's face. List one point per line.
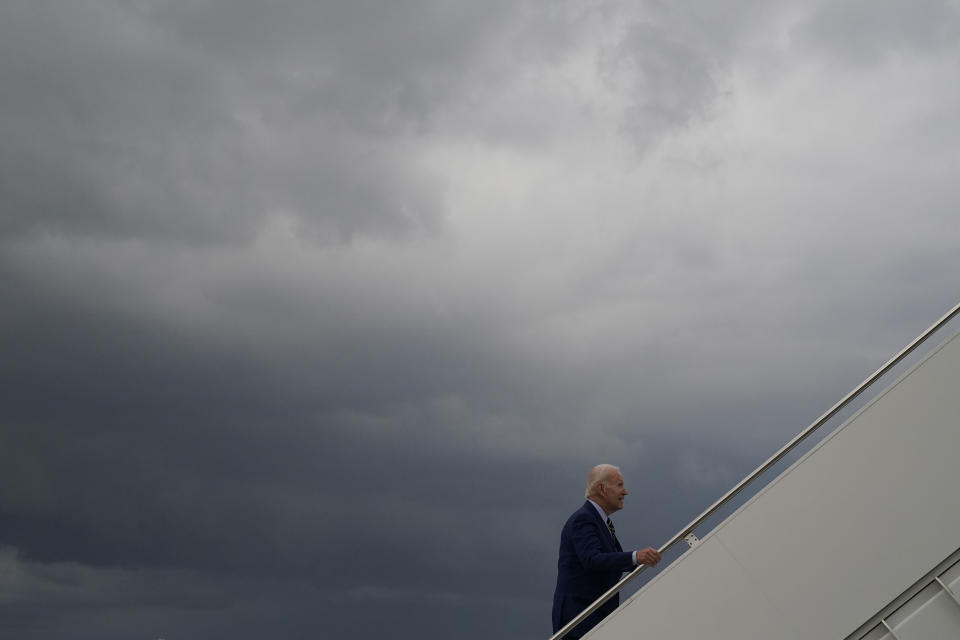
(612, 491)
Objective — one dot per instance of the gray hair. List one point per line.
(600, 473)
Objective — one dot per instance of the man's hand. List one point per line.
(648, 556)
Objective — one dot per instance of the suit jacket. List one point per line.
(590, 562)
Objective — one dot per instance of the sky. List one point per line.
(316, 314)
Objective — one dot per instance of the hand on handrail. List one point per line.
(648, 556)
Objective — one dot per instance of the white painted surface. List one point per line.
(836, 537)
(927, 610)
(934, 617)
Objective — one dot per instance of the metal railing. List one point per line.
(786, 449)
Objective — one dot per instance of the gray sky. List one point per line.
(316, 314)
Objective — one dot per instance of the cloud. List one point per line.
(319, 305)
(866, 33)
(147, 129)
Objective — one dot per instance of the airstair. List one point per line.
(858, 539)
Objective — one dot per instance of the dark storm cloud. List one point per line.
(193, 122)
(294, 342)
(128, 443)
(138, 453)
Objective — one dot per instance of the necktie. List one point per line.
(610, 526)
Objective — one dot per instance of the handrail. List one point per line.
(787, 448)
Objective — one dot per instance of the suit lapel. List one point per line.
(614, 543)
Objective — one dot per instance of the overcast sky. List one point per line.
(316, 313)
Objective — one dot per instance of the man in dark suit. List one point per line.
(591, 559)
